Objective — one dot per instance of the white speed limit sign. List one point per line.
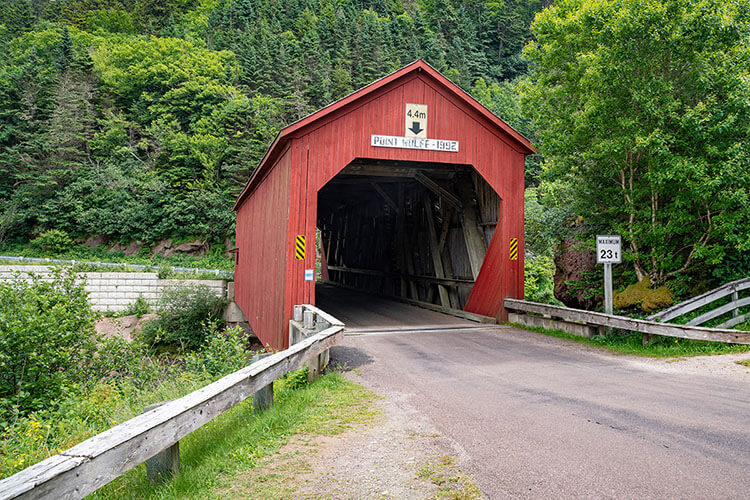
(608, 249)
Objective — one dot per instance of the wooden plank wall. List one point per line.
(263, 255)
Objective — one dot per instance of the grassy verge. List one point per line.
(234, 442)
(163, 271)
(42, 434)
(631, 343)
(214, 259)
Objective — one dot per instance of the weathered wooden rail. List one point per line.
(95, 462)
(733, 288)
(586, 323)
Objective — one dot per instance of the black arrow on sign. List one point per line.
(415, 128)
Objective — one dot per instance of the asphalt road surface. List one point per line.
(539, 417)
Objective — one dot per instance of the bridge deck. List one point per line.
(363, 312)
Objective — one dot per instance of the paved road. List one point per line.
(539, 417)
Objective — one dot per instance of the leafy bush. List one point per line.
(224, 351)
(47, 340)
(53, 241)
(165, 272)
(294, 380)
(538, 279)
(137, 308)
(183, 312)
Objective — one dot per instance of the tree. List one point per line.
(65, 50)
(643, 109)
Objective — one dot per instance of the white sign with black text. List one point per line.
(608, 249)
(389, 141)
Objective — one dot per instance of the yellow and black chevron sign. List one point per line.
(514, 249)
(300, 248)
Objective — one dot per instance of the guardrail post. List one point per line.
(309, 321)
(262, 398)
(165, 464)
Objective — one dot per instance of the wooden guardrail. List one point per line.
(733, 288)
(95, 462)
(560, 317)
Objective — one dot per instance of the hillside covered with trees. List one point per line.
(142, 120)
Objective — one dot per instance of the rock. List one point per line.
(162, 248)
(133, 248)
(640, 294)
(197, 248)
(117, 248)
(570, 265)
(123, 327)
(94, 241)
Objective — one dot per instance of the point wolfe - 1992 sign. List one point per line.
(389, 141)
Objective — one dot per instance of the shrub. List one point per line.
(183, 312)
(224, 351)
(538, 279)
(47, 340)
(138, 308)
(53, 241)
(294, 380)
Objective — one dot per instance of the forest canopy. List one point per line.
(142, 120)
(642, 111)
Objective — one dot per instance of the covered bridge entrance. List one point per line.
(407, 188)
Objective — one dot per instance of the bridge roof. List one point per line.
(299, 127)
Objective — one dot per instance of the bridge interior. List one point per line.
(417, 232)
(364, 313)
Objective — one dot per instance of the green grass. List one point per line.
(215, 259)
(215, 454)
(165, 273)
(32, 439)
(744, 362)
(450, 482)
(631, 343)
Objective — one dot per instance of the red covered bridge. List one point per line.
(408, 188)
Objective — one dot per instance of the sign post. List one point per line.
(608, 252)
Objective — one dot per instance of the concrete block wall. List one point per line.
(114, 292)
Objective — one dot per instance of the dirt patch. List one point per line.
(123, 327)
(399, 455)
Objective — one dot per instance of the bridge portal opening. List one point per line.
(416, 232)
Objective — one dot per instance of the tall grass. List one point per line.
(236, 441)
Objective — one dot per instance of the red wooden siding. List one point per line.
(263, 255)
(322, 145)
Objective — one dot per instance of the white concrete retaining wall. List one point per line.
(116, 291)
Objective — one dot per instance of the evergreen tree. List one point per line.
(65, 50)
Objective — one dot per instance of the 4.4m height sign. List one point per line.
(416, 121)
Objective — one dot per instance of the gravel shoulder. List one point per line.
(397, 455)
